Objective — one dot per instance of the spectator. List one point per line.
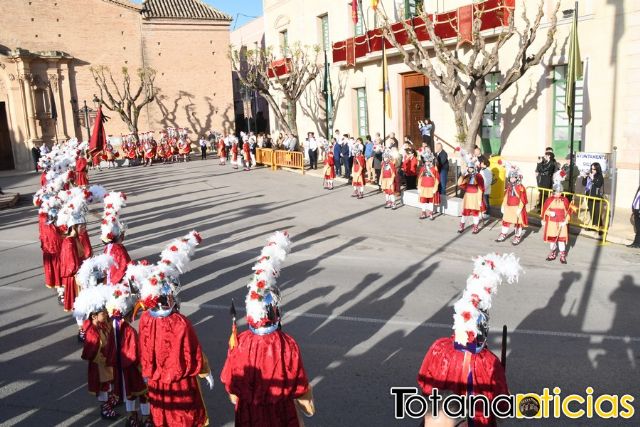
(487, 176)
(35, 154)
(593, 187)
(268, 142)
(227, 143)
(410, 169)
(378, 149)
(203, 148)
(313, 150)
(545, 169)
(442, 163)
(394, 140)
(345, 153)
(211, 138)
(426, 131)
(337, 150)
(368, 156)
(635, 209)
(478, 155)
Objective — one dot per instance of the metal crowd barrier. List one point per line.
(591, 213)
(280, 158)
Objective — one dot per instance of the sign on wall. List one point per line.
(584, 161)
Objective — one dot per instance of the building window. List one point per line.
(324, 29)
(491, 133)
(359, 26)
(560, 125)
(363, 119)
(412, 8)
(284, 42)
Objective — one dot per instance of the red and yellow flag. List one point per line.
(354, 11)
(233, 339)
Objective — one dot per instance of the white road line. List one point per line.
(432, 325)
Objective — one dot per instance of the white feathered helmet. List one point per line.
(471, 310)
(263, 298)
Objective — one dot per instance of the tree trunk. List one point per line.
(479, 104)
(276, 109)
(460, 116)
(293, 124)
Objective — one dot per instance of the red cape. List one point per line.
(442, 368)
(121, 260)
(171, 359)
(266, 373)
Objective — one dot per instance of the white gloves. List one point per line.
(502, 210)
(209, 379)
(552, 214)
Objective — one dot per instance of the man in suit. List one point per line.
(345, 152)
(442, 163)
(337, 147)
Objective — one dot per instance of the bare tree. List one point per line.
(458, 70)
(122, 98)
(258, 70)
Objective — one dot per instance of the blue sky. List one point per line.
(241, 10)
(235, 7)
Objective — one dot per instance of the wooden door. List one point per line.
(6, 153)
(416, 105)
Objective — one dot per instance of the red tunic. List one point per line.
(357, 171)
(171, 359)
(410, 166)
(246, 152)
(129, 355)
(81, 172)
(473, 202)
(87, 251)
(554, 230)
(515, 199)
(329, 170)
(442, 368)
(222, 151)
(50, 242)
(69, 265)
(428, 185)
(121, 260)
(234, 152)
(100, 353)
(267, 374)
(43, 179)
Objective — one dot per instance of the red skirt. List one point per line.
(177, 404)
(81, 179)
(70, 292)
(51, 263)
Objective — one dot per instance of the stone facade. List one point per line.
(609, 35)
(48, 46)
(250, 35)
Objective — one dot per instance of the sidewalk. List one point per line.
(621, 230)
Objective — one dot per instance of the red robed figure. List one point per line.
(98, 137)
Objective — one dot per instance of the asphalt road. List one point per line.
(366, 291)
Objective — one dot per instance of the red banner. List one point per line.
(98, 136)
(465, 24)
(351, 52)
(279, 68)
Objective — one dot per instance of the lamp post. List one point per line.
(85, 110)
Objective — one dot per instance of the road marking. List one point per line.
(431, 325)
(14, 288)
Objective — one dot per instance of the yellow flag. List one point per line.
(385, 80)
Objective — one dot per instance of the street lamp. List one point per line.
(85, 114)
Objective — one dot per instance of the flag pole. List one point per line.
(384, 95)
(573, 114)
